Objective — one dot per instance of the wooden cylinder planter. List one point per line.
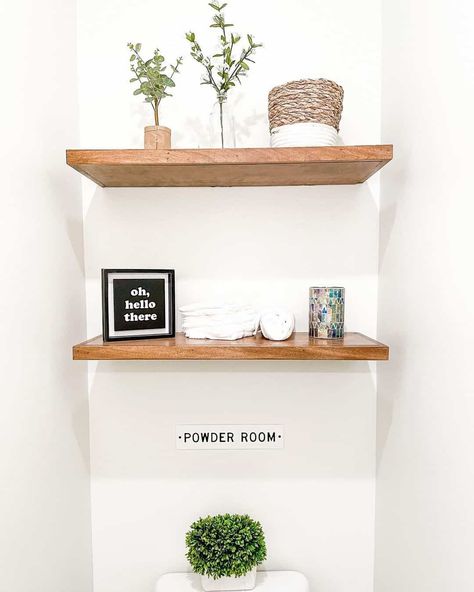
(157, 137)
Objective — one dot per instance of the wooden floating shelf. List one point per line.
(240, 167)
(354, 346)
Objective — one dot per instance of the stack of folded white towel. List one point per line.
(219, 321)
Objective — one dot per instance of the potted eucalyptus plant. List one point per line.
(223, 69)
(225, 550)
(154, 82)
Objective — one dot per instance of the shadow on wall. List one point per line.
(392, 375)
(396, 175)
(221, 232)
(327, 409)
(259, 245)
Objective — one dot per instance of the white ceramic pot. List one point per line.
(303, 134)
(246, 582)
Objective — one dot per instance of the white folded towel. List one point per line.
(206, 308)
(213, 320)
(227, 332)
(216, 320)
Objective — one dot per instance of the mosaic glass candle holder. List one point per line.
(326, 312)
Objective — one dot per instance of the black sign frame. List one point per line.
(167, 310)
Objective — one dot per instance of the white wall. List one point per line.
(316, 498)
(45, 534)
(425, 488)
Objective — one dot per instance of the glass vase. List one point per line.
(221, 125)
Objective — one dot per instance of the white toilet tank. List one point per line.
(267, 581)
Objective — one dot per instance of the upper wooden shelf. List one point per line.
(354, 346)
(239, 167)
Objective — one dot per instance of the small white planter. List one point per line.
(303, 134)
(246, 582)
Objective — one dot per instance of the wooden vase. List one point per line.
(157, 137)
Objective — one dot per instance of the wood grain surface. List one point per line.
(252, 167)
(354, 346)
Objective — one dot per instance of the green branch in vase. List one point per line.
(223, 69)
(152, 77)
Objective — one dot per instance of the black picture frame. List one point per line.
(112, 295)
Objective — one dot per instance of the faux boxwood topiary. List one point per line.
(228, 545)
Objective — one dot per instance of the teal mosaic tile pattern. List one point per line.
(326, 312)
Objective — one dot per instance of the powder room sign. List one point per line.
(137, 303)
(229, 437)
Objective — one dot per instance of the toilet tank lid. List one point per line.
(267, 581)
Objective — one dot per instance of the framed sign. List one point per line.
(137, 303)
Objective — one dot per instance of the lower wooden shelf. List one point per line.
(354, 346)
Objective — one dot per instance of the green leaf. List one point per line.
(244, 66)
(132, 57)
(133, 79)
(138, 46)
(191, 37)
(225, 545)
(138, 91)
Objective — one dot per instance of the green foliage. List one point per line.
(225, 545)
(151, 76)
(224, 69)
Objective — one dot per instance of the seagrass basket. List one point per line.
(303, 101)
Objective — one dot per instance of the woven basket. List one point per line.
(318, 101)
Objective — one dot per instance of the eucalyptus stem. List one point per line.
(222, 70)
(152, 78)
